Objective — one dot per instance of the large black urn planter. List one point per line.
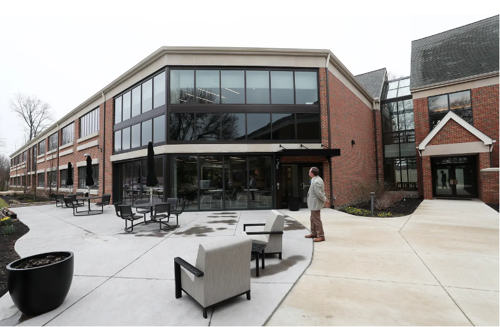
(40, 289)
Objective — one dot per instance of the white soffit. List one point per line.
(450, 115)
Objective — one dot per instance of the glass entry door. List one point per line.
(454, 177)
(295, 182)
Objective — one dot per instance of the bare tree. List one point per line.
(35, 113)
(4, 172)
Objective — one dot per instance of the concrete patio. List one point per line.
(438, 266)
(128, 279)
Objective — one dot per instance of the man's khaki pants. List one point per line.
(316, 224)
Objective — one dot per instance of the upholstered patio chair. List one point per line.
(271, 235)
(221, 272)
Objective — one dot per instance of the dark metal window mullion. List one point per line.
(198, 172)
(223, 183)
(246, 181)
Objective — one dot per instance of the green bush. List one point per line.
(356, 211)
(8, 230)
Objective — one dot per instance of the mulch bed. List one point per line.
(21, 198)
(7, 253)
(402, 208)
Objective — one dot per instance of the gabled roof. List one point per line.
(451, 115)
(373, 81)
(457, 54)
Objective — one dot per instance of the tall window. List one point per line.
(53, 141)
(41, 180)
(24, 156)
(52, 176)
(89, 123)
(68, 134)
(82, 177)
(459, 103)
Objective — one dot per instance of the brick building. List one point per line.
(239, 128)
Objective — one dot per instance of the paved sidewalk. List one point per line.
(438, 266)
(128, 279)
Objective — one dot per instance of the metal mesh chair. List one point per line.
(162, 211)
(127, 215)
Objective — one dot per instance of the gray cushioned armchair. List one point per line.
(222, 271)
(272, 234)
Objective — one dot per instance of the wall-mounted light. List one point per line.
(352, 142)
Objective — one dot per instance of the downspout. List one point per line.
(103, 146)
(329, 130)
(376, 136)
(57, 167)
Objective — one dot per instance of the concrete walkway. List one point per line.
(128, 279)
(438, 266)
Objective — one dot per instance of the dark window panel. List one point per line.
(233, 127)
(136, 101)
(159, 129)
(181, 127)
(465, 114)
(208, 127)
(460, 100)
(136, 136)
(207, 86)
(438, 104)
(147, 95)
(390, 117)
(126, 106)
(182, 87)
(82, 175)
(436, 119)
(306, 88)
(308, 127)
(257, 87)
(259, 126)
(118, 141)
(233, 86)
(283, 126)
(118, 110)
(126, 138)
(159, 90)
(282, 87)
(147, 131)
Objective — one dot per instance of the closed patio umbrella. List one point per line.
(151, 179)
(69, 178)
(89, 181)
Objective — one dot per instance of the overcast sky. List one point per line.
(64, 54)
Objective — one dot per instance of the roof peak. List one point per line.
(375, 70)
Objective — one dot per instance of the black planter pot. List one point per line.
(40, 289)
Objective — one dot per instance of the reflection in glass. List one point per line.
(390, 121)
(282, 87)
(438, 104)
(185, 180)
(393, 85)
(404, 82)
(159, 129)
(159, 90)
(208, 127)
(211, 182)
(306, 88)
(259, 126)
(126, 105)
(182, 86)
(257, 87)
(207, 86)
(259, 182)
(233, 86)
(118, 110)
(308, 127)
(283, 126)
(460, 100)
(147, 129)
(118, 141)
(392, 93)
(147, 95)
(403, 91)
(465, 114)
(132, 188)
(233, 127)
(126, 138)
(181, 127)
(136, 101)
(235, 182)
(136, 136)
(436, 119)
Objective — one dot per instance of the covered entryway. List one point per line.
(454, 177)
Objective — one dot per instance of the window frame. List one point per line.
(454, 110)
(88, 123)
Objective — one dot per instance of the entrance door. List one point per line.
(454, 177)
(295, 183)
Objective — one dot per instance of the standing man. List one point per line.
(315, 201)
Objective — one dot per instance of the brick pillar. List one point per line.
(427, 177)
(106, 139)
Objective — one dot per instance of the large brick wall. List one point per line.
(351, 119)
(485, 118)
(489, 186)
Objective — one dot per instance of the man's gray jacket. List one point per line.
(316, 196)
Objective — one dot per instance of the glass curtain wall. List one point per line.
(223, 182)
(132, 181)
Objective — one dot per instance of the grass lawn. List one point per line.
(3, 204)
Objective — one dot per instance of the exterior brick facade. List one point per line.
(489, 186)
(485, 115)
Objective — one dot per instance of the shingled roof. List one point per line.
(372, 81)
(460, 53)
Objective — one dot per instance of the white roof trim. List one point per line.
(450, 115)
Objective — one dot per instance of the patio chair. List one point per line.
(221, 272)
(127, 215)
(59, 200)
(70, 202)
(106, 198)
(272, 235)
(177, 211)
(173, 203)
(117, 209)
(162, 211)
